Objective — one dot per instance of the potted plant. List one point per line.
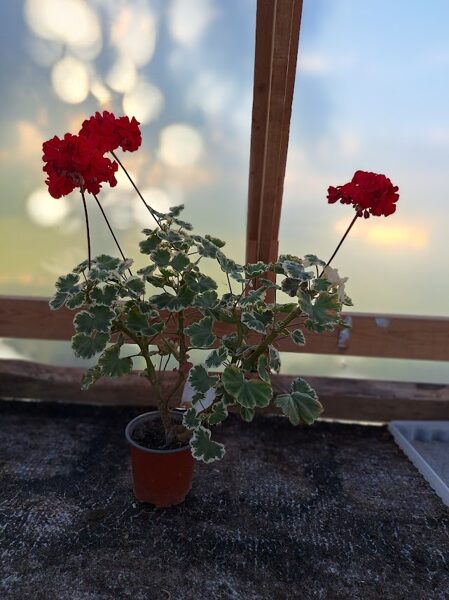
(170, 307)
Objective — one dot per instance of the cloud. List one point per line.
(189, 19)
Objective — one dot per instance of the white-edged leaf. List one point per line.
(217, 357)
(247, 392)
(190, 419)
(298, 337)
(203, 448)
(200, 380)
(85, 346)
(218, 414)
(200, 333)
(112, 365)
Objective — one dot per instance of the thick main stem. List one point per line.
(86, 217)
(340, 243)
(111, 230)
(147, 206)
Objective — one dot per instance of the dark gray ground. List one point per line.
(333, 511)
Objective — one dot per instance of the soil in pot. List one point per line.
(150, 434)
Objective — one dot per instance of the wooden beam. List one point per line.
(346, 399)
(374, 335)
(277, 35)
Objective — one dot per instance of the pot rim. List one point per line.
(149, 416)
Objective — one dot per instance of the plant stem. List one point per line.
(148, 207)
(86, 217)
(152, 376)
(110, 229)
(340, 243)
(263, 347)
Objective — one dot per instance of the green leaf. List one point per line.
(286, 308)
(203, 448)
(76, 300)
(321, 285)
(135, 286)
(190, 419)
(247, 414)
(206, 300)
(97, 318)
(200, 380)
(253, 297)
(217, 357)
(81, 267)
(105, 296)
(90, 377)
(218, 414)
(112, 365)
(150, 244)
(68, 284)
(85, 346)
(171, 302)
(263, 368)
(161, 257)
(199, 283)
(200, 333)
(216, 241)
(125, 265)
(254, 321)
(175, 211)
(229, 266)
(247, 392)
(266, 283)
(146, 271)
(310, 260)
(58, 300)
(301, 404)
(295, 270)
(183, 224)
(205, 247)
(256, 269)
(290, 286)
(324, 311)
(104, 262)
(180, 262)
(172, 237)
(138, 322)
(230, 340)
(298, 337)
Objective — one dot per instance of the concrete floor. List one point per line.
(332, 511)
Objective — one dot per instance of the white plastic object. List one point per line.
(406, 433)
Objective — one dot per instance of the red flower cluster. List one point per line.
(107, 132)
(78, 161)
(74, 162)
(369, 193)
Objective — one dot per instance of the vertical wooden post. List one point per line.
(277, 37)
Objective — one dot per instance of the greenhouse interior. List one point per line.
(223, 373)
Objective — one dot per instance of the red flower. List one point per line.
(370, 194)
(108, 133)
(75, 162)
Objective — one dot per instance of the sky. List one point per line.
(372, 93)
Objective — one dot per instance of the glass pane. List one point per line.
(372, 93)
(183, 68)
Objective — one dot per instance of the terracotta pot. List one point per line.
(160, 477)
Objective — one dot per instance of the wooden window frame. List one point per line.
(372, 335)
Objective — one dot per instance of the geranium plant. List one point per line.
(170, 306)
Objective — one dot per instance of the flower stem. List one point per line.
(86, 217)
(148, 207)
(340, 243)
(110, 229)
